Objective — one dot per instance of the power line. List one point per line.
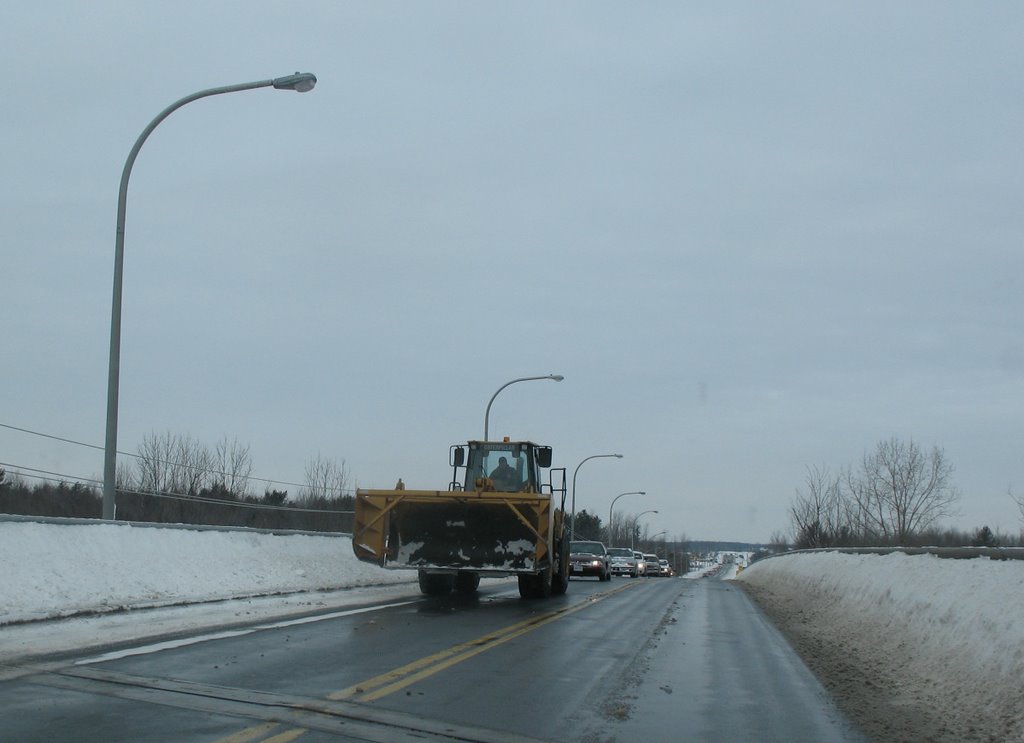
(55, 438)
(239, 504)
(341, 491)
(63, 477)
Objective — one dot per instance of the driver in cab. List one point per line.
(504, 477)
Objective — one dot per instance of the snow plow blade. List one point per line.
(482, 531)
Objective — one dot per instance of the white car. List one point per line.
(623, 561)
(653, 566)
(641, 564)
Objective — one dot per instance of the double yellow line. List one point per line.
(411, 673)
(399, 678)
(256, 732)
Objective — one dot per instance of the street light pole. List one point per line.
(658, 535)
(632, 532)
(632, 492)
(572, 525)
(300, 82)
(487, 413)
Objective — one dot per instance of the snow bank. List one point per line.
(949, 633)
(939, 641)
(49, 570)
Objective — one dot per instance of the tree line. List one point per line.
(177, 479)
(895, 496)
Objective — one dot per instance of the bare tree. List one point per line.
(233, 465)
(819, 514)
(124, 479)
(325, 478)
(902, 490)
(152, 466)
(619, 531)
(193, 465)
(169, 463)
(869, 512)
(777, 542)
(1019, 500)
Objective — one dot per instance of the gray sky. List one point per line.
(753, 238)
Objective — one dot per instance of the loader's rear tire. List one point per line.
(560, 584)
(560, 580)
(436, 584)
(535, 586)
(544, 583)
(467, 582)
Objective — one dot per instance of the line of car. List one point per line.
(594, 559)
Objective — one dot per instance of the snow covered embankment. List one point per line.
(50, 570)
(913, 647)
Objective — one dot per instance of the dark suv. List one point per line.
(589, 558)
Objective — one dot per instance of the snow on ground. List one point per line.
(954, 629)
(941, 639)
(54, 570)
(703, 572)
(94, 571)
(967, 612)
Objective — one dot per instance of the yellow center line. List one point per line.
(286, 737)
(251, 734)
(398, 673)
(399, 678)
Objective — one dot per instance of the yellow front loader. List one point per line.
(497, 519)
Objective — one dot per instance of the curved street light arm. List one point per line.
(632, 492)
(632, 531)
(301, 82)
(572, 523)
(487, 413)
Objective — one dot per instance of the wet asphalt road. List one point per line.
(631, 660)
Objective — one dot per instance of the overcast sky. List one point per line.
(753, 237)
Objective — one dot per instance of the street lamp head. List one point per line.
(572, 528)
(556, 377)
(301, 82)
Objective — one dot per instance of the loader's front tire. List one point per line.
(436, 584)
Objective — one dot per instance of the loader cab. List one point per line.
(505, 466)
